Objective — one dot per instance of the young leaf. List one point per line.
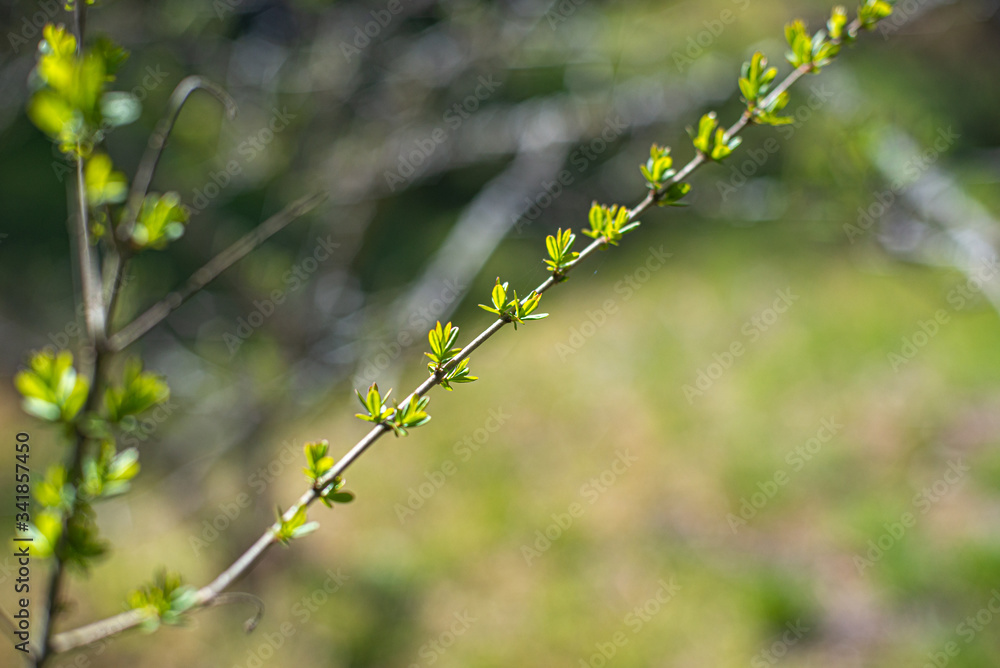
(614, 223)
(161, 220)
(294, 527)
(374, 404)
(658, 167)
(317, 460)
(51, 388)
(702, 140)
(82, 544)
(560, 253)
(673, 193)
(110, 472)
(460, 373)
(499, 299)
(54, 492)
(332, 493)
(873, 11)
(44, 534)
(442, 341)
(838, 19)
(104, 185)
(499, 294)
(138, 392)
(410, 415)
(163, 600)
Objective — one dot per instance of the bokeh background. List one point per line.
(777, 446)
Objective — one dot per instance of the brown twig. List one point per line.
(131, 332)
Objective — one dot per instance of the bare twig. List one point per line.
(93, 297)
(79, 24)
(131, 332)
(158, 141)
(119, 255)
(239, 597)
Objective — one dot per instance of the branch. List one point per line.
(96, 329)
(93, 297)
(88, 635)
(158, 141)
(92, 633)
(212, 591)
(56, 577)
(144, 176)
(131, 332)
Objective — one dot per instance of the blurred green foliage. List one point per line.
(429, 568)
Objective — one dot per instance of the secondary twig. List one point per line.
(158, 141)
(131, 332)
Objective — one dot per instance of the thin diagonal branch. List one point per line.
(131, 332)
(98, 630)
(158, 141)
(91, 633)
(119, 255)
